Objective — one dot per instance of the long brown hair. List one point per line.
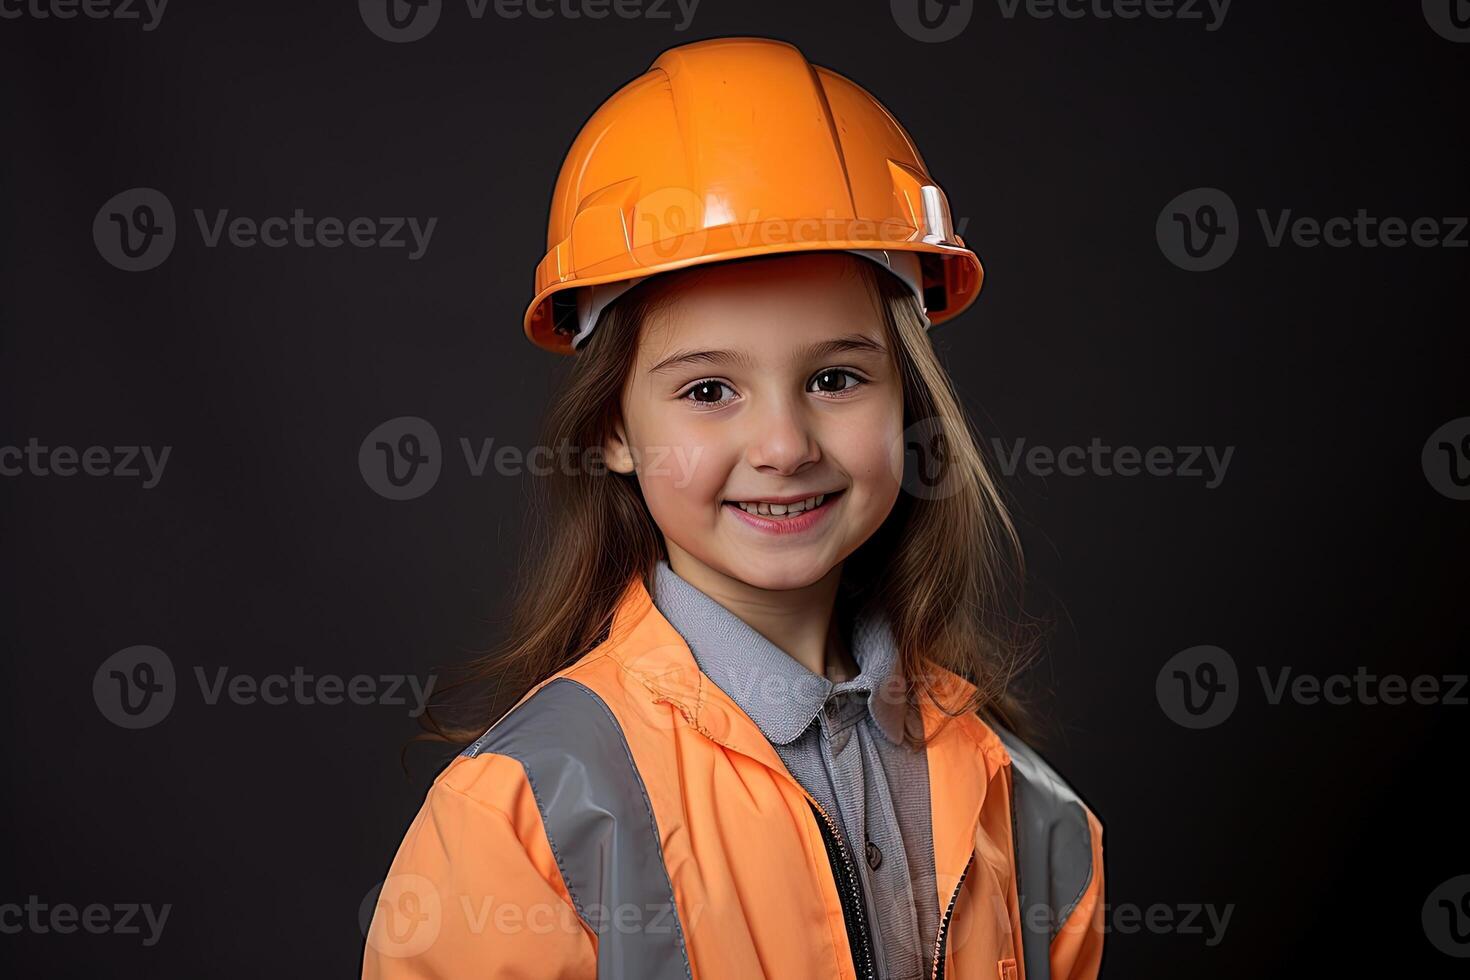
(945, 567)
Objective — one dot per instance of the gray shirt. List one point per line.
(845, 746)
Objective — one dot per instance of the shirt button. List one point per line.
(875, 856)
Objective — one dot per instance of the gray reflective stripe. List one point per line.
(1053, 851)
(600, 826)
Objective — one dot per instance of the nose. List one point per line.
(782, 439)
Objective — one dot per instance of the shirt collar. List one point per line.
(779, 694)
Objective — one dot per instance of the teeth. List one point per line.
(781, 510)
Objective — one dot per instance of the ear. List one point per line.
(617, 451)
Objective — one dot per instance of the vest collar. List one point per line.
(964, 757)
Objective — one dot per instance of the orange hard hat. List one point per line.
(737, 147)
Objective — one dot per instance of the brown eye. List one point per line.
(831, 381)
(706, 392)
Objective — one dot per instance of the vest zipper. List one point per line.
(850, 891)
(938, 972)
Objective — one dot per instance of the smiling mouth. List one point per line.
(794, 508)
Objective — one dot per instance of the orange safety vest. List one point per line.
(627, 819)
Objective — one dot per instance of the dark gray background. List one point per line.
(1058, 142)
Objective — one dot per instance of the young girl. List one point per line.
(765, 730)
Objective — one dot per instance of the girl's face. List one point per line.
(761, 383)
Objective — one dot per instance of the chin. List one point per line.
(779, 573)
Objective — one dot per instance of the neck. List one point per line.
(801, 621)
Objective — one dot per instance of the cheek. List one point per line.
(872, 451)
(681, 471)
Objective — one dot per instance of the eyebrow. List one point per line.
(853, 343)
